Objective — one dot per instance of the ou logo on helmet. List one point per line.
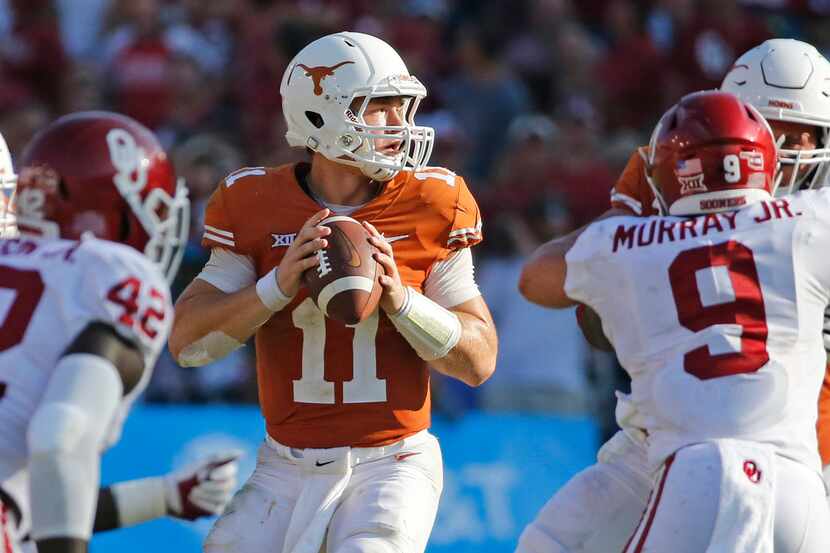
(128, 159)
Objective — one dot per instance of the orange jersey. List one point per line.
(824, 420)
(633, 193)
(322, 384)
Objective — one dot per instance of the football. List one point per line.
(344, 284)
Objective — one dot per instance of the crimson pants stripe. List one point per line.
(654, 507)
(636, 531)
(4, 522)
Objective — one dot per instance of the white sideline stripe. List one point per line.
(219, 239)
(345, 283)
(220, 232)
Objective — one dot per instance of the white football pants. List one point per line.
(730, 496)
(598, 509)
(341, 500)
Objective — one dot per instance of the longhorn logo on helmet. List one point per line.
(320, 72)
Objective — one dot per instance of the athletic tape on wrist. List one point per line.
(430, 329)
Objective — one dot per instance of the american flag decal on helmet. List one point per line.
(690, 175)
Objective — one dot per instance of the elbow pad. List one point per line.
(65, 438)
(430, 329)
(207, 349)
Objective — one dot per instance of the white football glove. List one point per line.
(204, 488)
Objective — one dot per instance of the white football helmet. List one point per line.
(8, 184)
(789, 80)
(318, 88)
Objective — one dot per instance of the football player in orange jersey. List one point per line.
(347, 463)
(792, 99)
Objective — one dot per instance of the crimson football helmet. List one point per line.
(711, 152)
(105, 174)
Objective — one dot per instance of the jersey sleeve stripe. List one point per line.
(245, 172)
(628, 201)
(467, 230)
(218, 239)
(219, 232)
(471, 237)
(449, 178)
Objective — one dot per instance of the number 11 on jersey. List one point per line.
(312, 387)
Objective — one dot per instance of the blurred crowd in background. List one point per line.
(537, 103)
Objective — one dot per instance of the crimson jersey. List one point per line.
(321, 383)
(633, 193)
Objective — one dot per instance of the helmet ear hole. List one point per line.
(124, 230)
(63, 190)
(315, 119)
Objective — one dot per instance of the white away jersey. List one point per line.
(49, 292)
(718, 319)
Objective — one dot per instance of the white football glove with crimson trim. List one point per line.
(204, 488)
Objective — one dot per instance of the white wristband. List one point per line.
(430, 329)
(139, 500)
(268, 290)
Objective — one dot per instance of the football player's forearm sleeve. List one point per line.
(131, 502)
(65, 437)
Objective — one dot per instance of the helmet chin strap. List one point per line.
(374, 172)
(379, 174)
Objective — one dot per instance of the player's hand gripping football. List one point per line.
(204, 488)
(394, 292)
(301, 253)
